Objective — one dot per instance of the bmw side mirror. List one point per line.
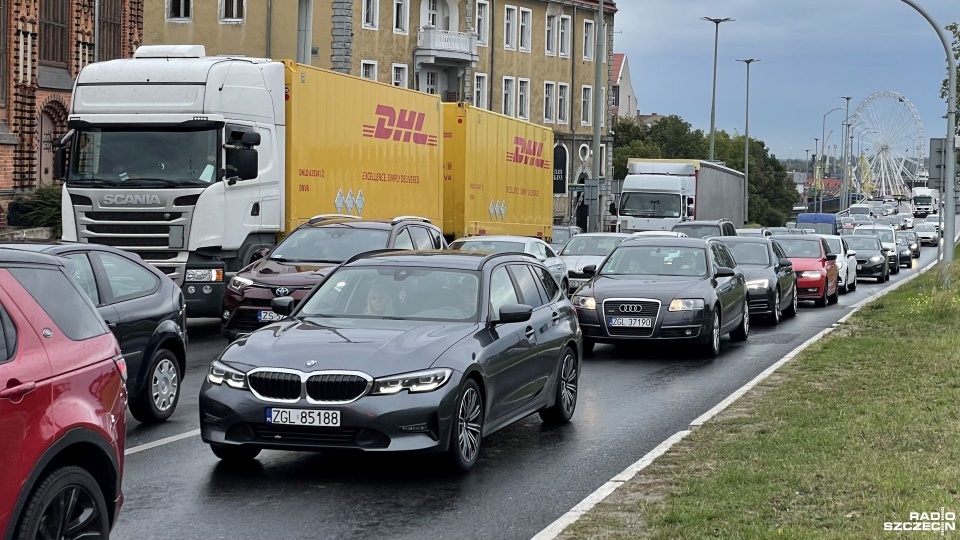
(724, 272)
(510, 313)
(282, 306)
(590, 270)
(831, 256)
(785, 262)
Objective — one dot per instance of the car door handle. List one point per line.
(530, 333)
(16, 391)
(556, 317)
(111, 324)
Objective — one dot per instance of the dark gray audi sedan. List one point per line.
(400, 351)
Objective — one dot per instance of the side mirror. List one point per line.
(689, 209)
(510, 313)
(250, 138)
(831, 256)
(723, 272)
(590, 270)
(282, 306)
(541, 258)
(851, 253)
(60, 163)
(613, 209)
(785, 262)
(248, 163)
(257, 255)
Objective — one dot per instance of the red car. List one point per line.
(62, 405)
(817, 272)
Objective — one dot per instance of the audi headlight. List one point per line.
(905, 252)
(415, 383)
(686, 304)
(914, 246)
(205, 275)
(239, 283)
(584, 302)
(758, 284)
(876, 259)
(812, 274)
(221, 373)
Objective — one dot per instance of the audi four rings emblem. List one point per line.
(281, 291)
(631, 308)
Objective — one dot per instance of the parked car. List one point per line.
(888, 239)
(585, 250)
(62, 404)
(518, 244)
(771, 283)
(927, 233)
(871, 257)
(706, 229)
(673, 234)
(405, 352)
(146, 312)
(936, 221)
(779, 230)
(309, 253)
(562, 234)
(846, 262)
(906, 221)
(816, 268)
(685, 290)
(912, 241)
(759, 232)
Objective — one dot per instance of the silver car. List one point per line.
(590, 249)
(518, 244)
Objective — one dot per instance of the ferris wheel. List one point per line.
(891, 135)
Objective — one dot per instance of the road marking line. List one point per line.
(161, 442)
(554, 529)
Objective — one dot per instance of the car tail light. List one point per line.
(121, 366)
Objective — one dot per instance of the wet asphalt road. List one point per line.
(528, 475)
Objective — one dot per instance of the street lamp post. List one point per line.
(844, 200)
(746, 146)
(713, 106)
(823, 150)
(816, 172)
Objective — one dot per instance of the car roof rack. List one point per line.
(372, 252)
(399, 219)
(324, 217)
(505, 254)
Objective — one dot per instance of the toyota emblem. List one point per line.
(311, 363)
(631, 308)
(281, 291)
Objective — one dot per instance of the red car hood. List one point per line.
(271, 272)
(803, 264)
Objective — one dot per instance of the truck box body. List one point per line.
(924, 201)
(659, 193)
(497, 174)
(358, 147)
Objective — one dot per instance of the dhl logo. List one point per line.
(528, 153)
(402, 125)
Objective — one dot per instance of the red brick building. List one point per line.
(43, 45)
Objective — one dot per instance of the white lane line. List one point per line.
(554, 529)
(161, 442)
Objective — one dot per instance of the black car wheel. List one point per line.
(466, 437)
(794, 305)
(777, 313)
(159, 397)
(713, 339)
(742, 332)
(853, 284)
(588, 345)
(822, 301)
(68, 505)
(568, 383)
(835, 297)
(235, 454)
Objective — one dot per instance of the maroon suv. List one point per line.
(307, 255)
(62, 405)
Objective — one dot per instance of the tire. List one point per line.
(777, 312)
(468, 418)
(568, 386)
(89, 514)
(794, 305)
(712, 348)
(853, 284)
(742, 332)
(588, 345)
(161, 392)
(229, 453)
(835, 297)
(822, 301)
(565, 287)
(896, 270)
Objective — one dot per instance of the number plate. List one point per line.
(269, 316)
(859, 267)
(303, 417)
(631, 321)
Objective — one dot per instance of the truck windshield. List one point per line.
(923, 200)
(144, 158)
(650, 205)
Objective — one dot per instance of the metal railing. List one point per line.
(446, 40)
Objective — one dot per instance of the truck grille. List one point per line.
(336, 388)
(129, 229)
(133, 216)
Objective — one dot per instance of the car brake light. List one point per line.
(121, 366)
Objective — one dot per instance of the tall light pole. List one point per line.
(816, 170)
(746, 145)
(713, 107)
(823, 151)
(844, 196)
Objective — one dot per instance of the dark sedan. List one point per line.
(400, 352)
(697, 282)
(771, 283)
(871, 257)
(910, 239)
(147, 314)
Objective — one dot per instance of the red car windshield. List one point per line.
(801, 248)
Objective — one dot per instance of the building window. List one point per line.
(551, 32)
(179, 9)
(111, 21)
(232, 10)
(483, 22)
(586, 106)
(371, 13)
(54, 23)
(433, 13)
(564, 36)
(549, 102)
(431, 79)
(400, 75)
(509, 96)
(603, 119)
(480, 90)
(401, 16)
(616, 96)
(526, 29)
(589, 40)
(563, 103)
(523, 98)
(368, 69)
(603, 160)
(4, 45)
(510, 28)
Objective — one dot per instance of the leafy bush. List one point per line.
(41, 208)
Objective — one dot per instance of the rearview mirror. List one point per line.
(831, 256)
(282, 306)
(512, 313)
(590, 270)
(724, 272)
(786, 262)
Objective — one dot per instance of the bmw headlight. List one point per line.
(584, 302)
(812, 274)
(686, 304)
(205, 275)
(221, 373)
(239, 283)
(415, 383)
(876, 259)
(758, 284)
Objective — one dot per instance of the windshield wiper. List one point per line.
(167, 182)
(94, 182)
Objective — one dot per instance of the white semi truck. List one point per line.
(659, 193)
(925, 202)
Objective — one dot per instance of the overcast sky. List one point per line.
(811, 51)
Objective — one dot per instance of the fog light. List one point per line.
(689, 332)
(207, 289)
(191, 289)
(226, 314)
(415, 428)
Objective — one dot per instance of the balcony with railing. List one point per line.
(445, 46)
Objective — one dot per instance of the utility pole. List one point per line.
(844, 172)
(596, 221)
(713, 107)
(96, 30)
(816, 172)
(746, 146)
(825, 148)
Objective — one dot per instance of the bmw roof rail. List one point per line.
(372, 252)
(399, 219)
(324, 217)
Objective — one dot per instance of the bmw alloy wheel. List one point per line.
(468, 425)
(164, 385)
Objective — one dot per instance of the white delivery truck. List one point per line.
(925, 202)
(659, 193)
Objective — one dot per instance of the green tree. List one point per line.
(636, 149)
(677, 139)
(955, 30)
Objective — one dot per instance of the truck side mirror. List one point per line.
(613, 209)
(60, 161)
(250, 138)
(689, 209)
(248, 164)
